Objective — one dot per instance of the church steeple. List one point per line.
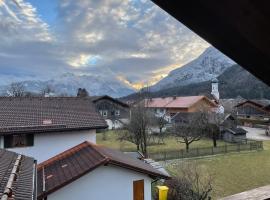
(215, 92)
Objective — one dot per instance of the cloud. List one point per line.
(133, 39)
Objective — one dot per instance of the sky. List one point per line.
(132, 40)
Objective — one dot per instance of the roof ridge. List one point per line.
(63, 154)
(95, 147)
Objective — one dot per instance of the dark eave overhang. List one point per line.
(238, 28)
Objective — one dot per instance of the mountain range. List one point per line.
(68, 84)
(195, 78)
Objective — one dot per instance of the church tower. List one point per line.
(215, 92)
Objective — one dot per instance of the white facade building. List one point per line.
(106, 182)
(47, 145)
(89, 171)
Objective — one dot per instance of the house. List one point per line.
(170, 106)
(17, 176)
(229, 104)
(251, 112)
(42, 127)
(112, 110)
(90, 170)
(237, 135)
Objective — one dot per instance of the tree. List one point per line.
(191, 183)
(82, 92)
(16, 89)
(214, 122)
(190, 129)
(161, 122)
(137, 129)
(47, 90)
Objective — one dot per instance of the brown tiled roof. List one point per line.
(22, 185)
(176, 102)
(81, 159)
(43, 114)
(117, 101)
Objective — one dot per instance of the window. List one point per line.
(22, 140)
(105, 113)
(117, 112)
(138, 190)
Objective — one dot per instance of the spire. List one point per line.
(215, 91)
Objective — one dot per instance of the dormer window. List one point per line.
(21, 140)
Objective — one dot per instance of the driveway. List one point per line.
(256, 133)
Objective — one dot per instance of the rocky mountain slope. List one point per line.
(210, 64)
(233, 82)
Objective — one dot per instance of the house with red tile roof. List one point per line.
(90, 170)
(42, 127)
(171, 105)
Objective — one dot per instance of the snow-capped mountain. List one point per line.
(210, 64)
(69, 83)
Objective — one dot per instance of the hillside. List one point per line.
(210, 64)
(235, 81)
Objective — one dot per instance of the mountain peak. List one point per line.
(210, 64)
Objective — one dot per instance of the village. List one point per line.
(134, 100)
(95, 140)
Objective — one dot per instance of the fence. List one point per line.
(205, 151)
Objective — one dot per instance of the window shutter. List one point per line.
(30, 140)
(8, 141)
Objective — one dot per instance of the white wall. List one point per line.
(103, 183)
(47, 145)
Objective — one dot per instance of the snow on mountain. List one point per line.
(210, 64)
(69, 83)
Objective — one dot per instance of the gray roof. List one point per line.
(46, 114)
(229, 104)
(22, 185)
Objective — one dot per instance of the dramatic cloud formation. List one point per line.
(133, 40)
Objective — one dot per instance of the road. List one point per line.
(256, 133)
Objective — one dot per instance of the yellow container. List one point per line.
(162, 192)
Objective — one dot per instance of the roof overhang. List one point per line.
(240, 29)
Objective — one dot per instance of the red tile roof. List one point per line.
(44, 114)
(175, 102)
(81, 159)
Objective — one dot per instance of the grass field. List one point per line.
(234, 173)
(170, 143)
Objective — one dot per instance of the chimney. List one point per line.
(174, 97)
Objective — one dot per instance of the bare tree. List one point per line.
(213, 125)
(137, 129)
(161, 122)
(190, 129)
(47, 90)
(16, 89)
(191, 183)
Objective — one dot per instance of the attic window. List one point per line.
(47, 121)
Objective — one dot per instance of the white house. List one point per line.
(89, 171)
(42, 127)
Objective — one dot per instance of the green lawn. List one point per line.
(234, 173)
(170, 143)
